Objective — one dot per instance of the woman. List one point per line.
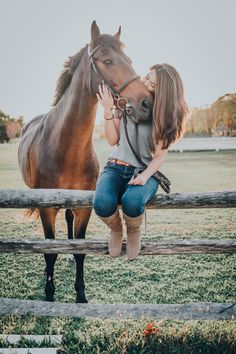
(116, 184)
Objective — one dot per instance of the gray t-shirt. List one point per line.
(123, 151)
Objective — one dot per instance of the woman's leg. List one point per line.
(109, 188)
(136, 197)
(110, 185)
(133, 204)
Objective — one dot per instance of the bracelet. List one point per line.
(110, 117)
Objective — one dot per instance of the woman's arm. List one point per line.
(158, 159)
(112, 131)
(111, 124)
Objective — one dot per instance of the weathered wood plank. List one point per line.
(100, 247)
(15, 338)
(62, 198)
(187, 311)
(44, 198)
(29, 350)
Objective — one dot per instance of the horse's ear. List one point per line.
(95, 33)
(117, 35)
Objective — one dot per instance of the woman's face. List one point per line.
(150, 81)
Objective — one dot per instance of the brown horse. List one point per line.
(56, 149)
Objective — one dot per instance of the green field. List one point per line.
(150, 279)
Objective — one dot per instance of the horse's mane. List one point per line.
(66, 74)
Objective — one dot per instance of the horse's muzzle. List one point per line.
(144, 111)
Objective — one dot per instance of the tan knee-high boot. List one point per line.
(115, 224)
(133, 235)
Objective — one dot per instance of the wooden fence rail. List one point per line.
(100, 247)
(64, 198)
(187, 311)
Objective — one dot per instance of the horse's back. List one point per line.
(32, 124)
(29, 134)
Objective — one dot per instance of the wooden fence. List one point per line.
(41, 198)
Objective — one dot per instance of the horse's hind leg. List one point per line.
(81, 221)
(69, 220)
(48, 217)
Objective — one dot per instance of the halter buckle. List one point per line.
(128, 108)
(122, 103)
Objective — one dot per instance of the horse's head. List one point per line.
(111, 63)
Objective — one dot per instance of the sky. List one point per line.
(197, 37)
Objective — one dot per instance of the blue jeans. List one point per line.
(113, 189)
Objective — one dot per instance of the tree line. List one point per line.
(219, 119)
(10, 127)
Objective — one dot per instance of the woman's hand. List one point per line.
(140, 180)
(105, 97)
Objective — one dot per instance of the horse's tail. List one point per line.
(32, 214)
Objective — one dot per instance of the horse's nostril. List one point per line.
(146, 105)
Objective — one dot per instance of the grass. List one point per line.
(148, 279)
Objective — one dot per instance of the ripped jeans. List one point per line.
(112, 189)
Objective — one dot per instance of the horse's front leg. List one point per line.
(48, 217)
(69, 220)
(81, 221)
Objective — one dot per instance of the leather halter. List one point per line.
(116, 93)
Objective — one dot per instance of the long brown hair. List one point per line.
(170, 110)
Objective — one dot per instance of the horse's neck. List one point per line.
(77, 110)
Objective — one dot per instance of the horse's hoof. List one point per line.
(49, 298)
(49, 291)
(81, 300)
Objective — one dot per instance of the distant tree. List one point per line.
(224, 110)
(10, 128)
(199, 121)
(222, 113)
(13, 129)
(3, 133)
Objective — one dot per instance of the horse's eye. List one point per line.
(107, 62)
